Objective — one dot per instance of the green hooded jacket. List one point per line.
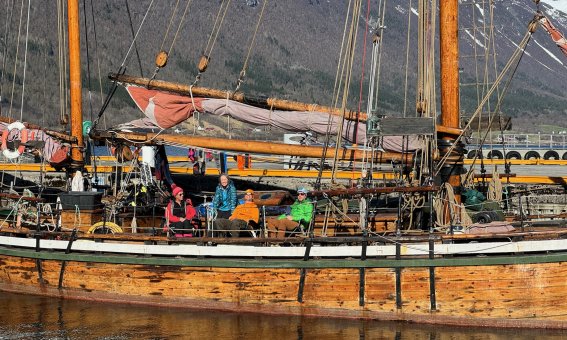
(302, 211)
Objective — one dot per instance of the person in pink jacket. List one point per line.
(179, 215)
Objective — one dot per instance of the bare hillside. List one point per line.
(294, 56)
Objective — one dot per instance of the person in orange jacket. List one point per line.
(242, 216)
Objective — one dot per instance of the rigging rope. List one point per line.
(88, 60)
(363, 56)
(406, 83)
(216, 27)
(121, 69)
(336, 87)
(442, 210)
(89, 86)
(96, 51)
(162, 57)
(346, 74)
(466, 220)
(169, 25)
(25, 61)
(62, 60)
(412, 201)
(44, 87)
(136, 35)
(374, 75)
(9, 14)
(242, 74)
(430, 86)
(133, 34)
(16, 59)
(488, 44)
(208, 50)
(427, 100)
(179, 26)
(495, 187)
(348, 77)
(516, 55)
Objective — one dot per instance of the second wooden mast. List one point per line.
(449, 68)
(77, 160)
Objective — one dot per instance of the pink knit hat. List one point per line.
(176, 190)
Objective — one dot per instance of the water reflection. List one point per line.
(29, 317)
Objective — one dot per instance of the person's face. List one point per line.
(248, 197)
(224, 181)
(179, 196)
(301, 196)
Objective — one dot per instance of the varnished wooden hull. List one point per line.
(511, 291)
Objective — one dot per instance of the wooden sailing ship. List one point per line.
(494, 275)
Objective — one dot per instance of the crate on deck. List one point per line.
(82, 200)
(81, 209)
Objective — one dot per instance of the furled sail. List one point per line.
(165, 110)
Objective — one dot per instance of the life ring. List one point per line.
(104, 228)
(8, 153)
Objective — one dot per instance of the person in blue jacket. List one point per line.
(225, 199)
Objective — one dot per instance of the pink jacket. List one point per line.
(189, 212)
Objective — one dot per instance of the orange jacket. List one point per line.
(246, 212)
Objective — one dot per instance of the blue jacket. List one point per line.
(225, 198)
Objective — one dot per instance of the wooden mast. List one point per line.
(77, 160)
(449, 67)
(448, 28)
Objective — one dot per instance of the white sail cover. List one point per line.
(299, 121)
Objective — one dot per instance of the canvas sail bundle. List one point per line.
(165, 110)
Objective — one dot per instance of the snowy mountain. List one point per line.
(560, 5)
(294, 56)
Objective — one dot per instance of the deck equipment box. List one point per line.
(83, 200)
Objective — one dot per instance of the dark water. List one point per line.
(30, 317)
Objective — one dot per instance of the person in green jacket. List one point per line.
(301, 213)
